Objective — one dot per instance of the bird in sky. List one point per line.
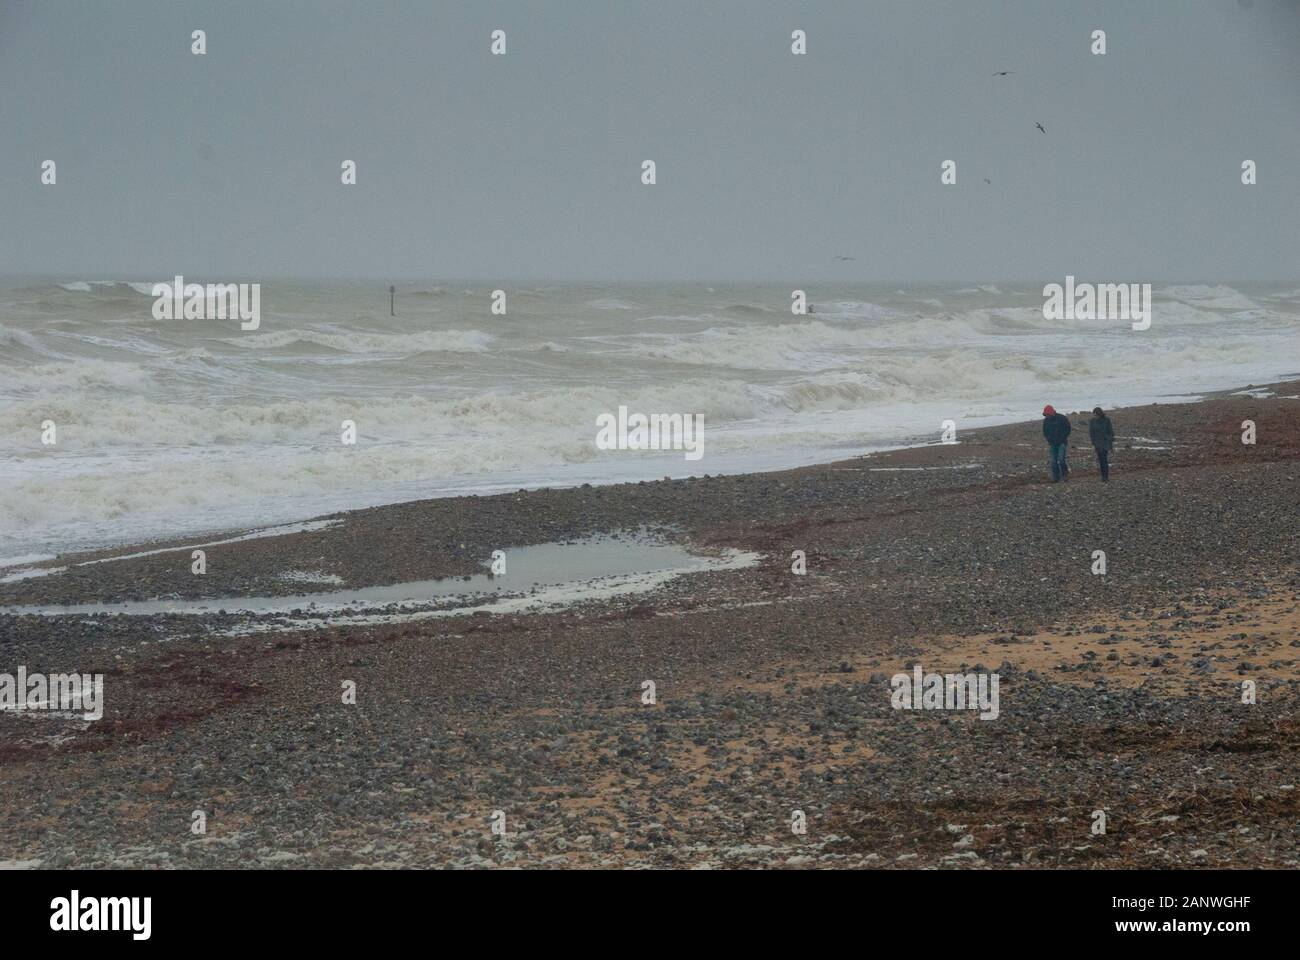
(1040, 127)
(987, 180)
(1003, 73)
(843, 258)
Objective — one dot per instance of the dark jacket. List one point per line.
(1101, 433)
(1056, 428)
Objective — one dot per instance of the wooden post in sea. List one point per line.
(392, 293)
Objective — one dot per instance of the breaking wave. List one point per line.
(455, 341)
(195, 426)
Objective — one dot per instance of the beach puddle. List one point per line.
(543, 576)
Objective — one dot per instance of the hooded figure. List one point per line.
(1056, 431)
(1102, 435)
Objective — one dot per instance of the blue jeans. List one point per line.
(1060, 469)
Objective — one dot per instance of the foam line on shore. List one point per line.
(283, 530)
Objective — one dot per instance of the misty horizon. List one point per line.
(769, 165)
(1281, 281)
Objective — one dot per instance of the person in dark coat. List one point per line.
(1056, 431)
(1102, 435)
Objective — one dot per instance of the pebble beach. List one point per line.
(1119, 692)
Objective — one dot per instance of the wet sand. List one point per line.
(1120, 692)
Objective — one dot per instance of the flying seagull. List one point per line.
(987, 180)
(843, 258)
(1039, 126)
(1003, 73)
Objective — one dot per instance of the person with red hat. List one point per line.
(1056, 431)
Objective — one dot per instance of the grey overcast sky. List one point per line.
(227, 166)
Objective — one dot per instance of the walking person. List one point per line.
(1056, 431)
(1102, 435)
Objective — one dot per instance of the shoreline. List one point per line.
(33, 556)
(124, 551)
(1119, 691)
